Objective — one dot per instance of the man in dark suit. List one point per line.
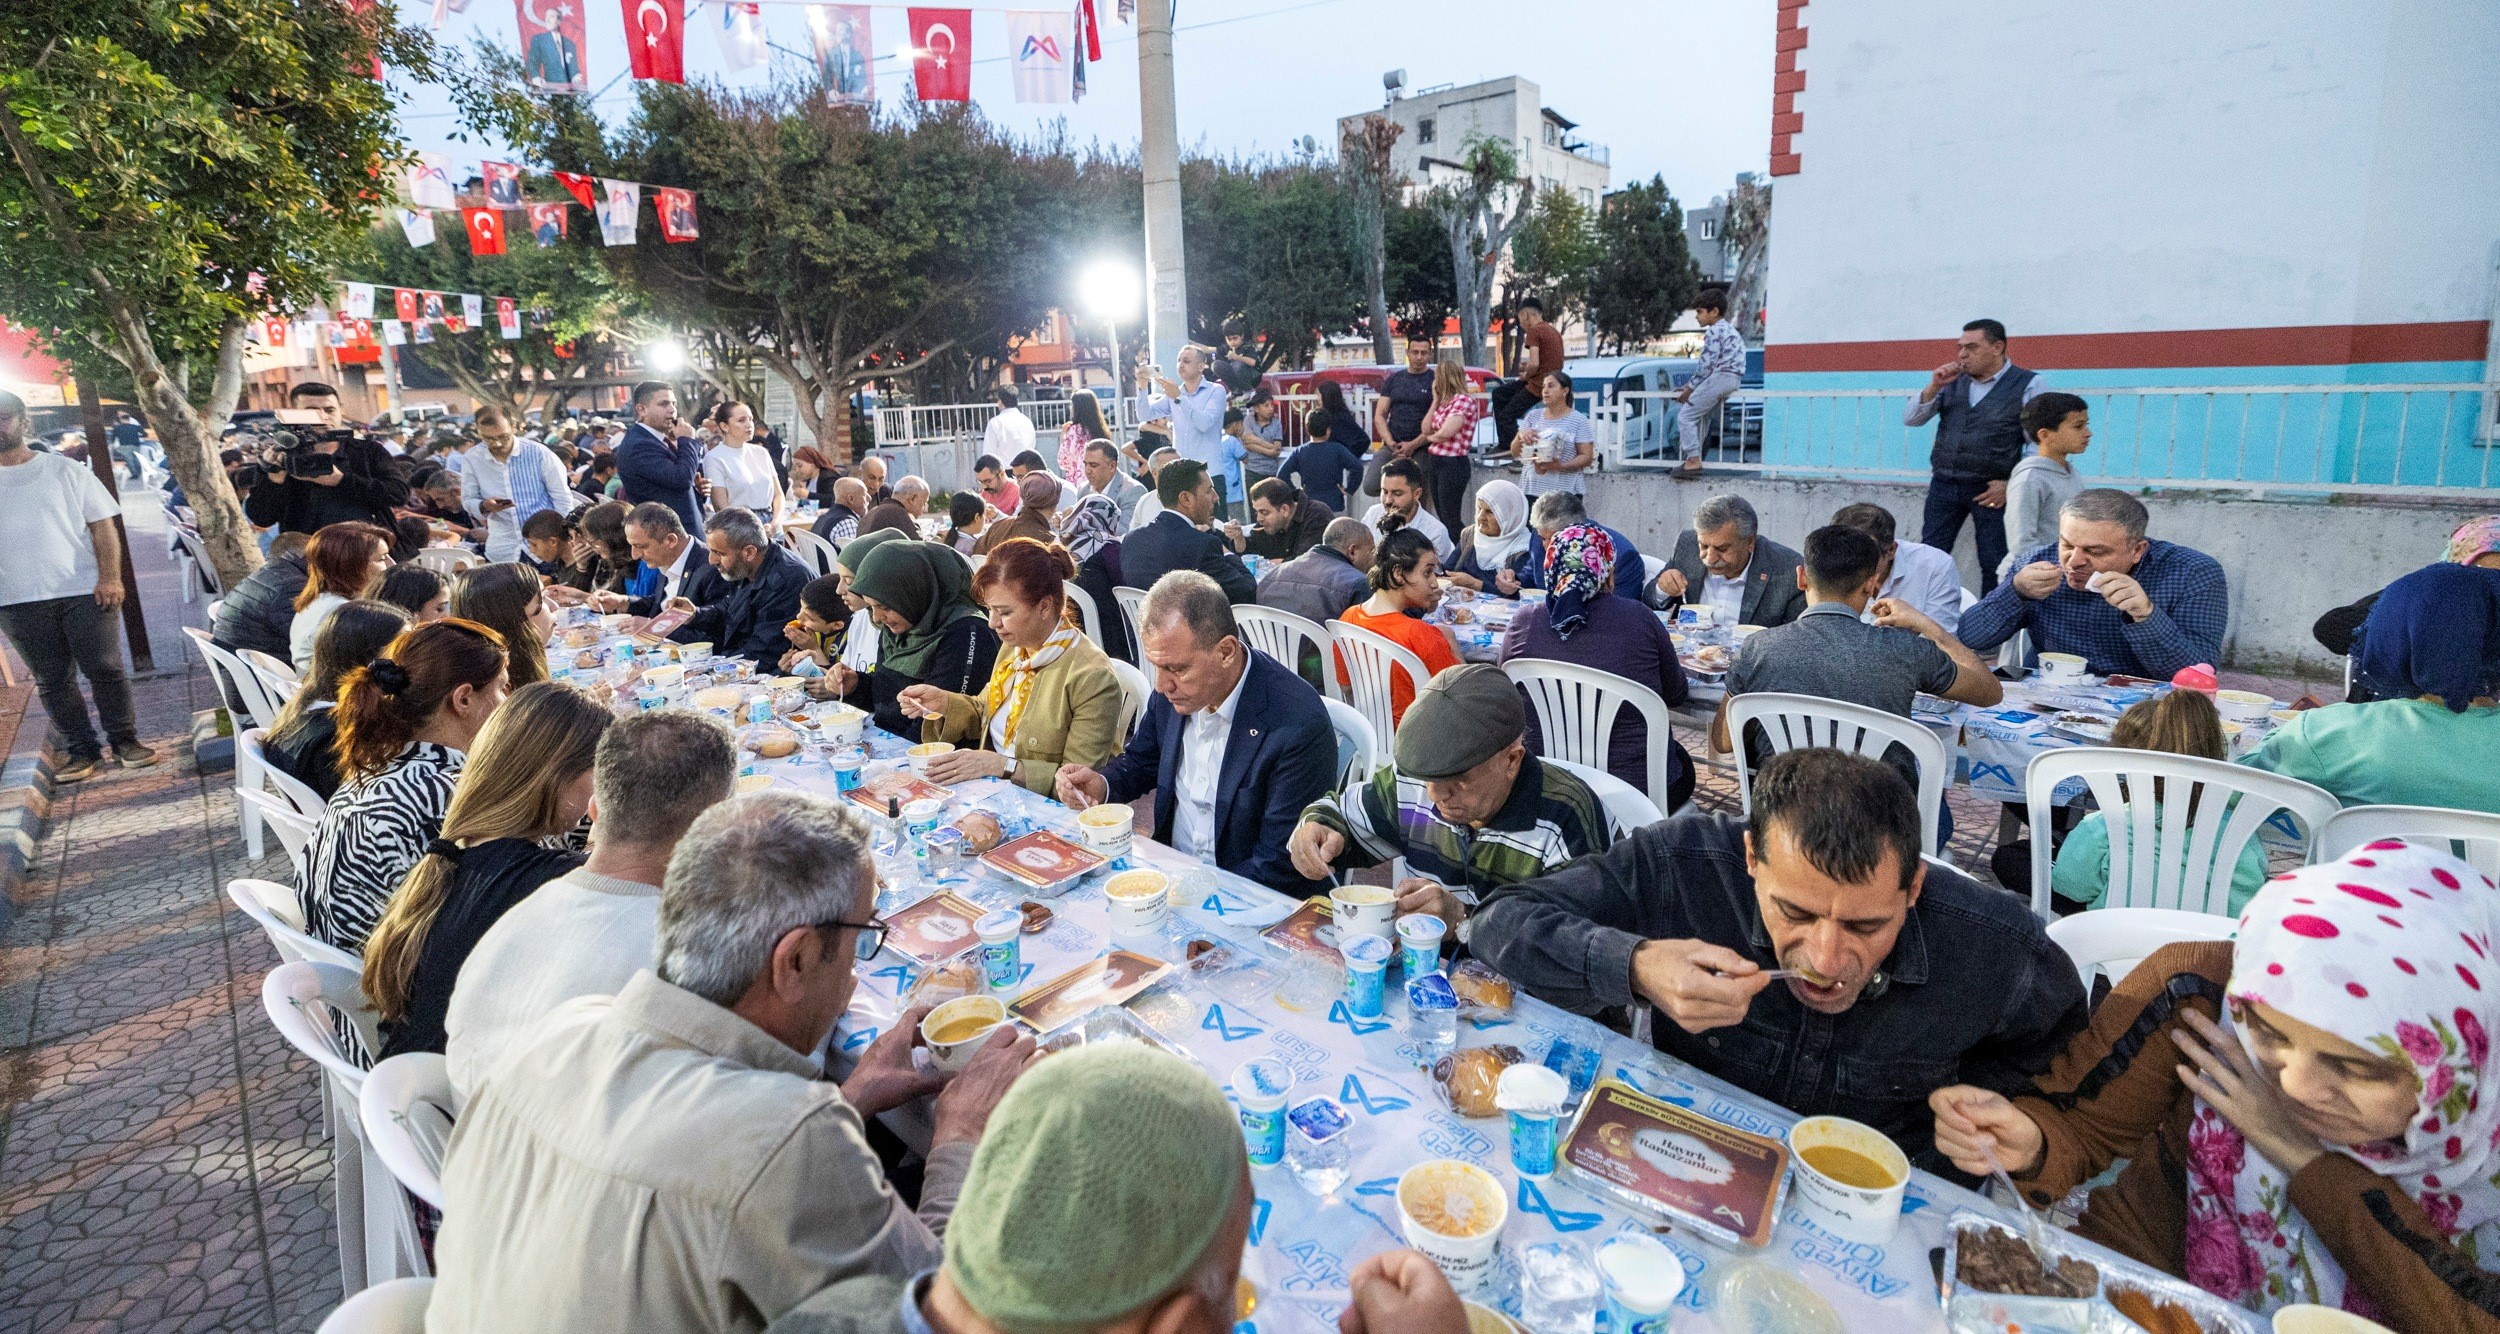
(1176, 540)
(668, 566)
(654, 464)
(1233, 744)
(762, 597)
(1723, 562)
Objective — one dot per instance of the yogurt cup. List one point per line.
(2061, 666)
(1533, 1098)
(1107, 828)
(1851, 1210)
(1453, 1212)
(841, 725)
(1419, 943)
(1362, 910)
(922, 817)
(926, 753)
(668, 676)
(1261, 1087)
(2236, 706)
(1001, 951)
(1366, 973)
(1140, 900)
(957, 1018)
(1641, 1277)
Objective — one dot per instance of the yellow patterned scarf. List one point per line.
(1011, 685)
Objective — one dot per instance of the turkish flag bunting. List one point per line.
(941, 64)
(507, 317)
(405, 302)
(655, 32)
(676, 214)
(584, 189)
(485, 230)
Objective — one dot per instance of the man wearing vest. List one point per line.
(1978, 397)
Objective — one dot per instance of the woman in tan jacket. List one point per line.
(1052, 699)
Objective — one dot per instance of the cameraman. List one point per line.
(332, 475)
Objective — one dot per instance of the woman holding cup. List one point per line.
(1052, 698)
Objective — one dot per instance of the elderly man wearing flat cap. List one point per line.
(1110, 1195)
(1465, 804)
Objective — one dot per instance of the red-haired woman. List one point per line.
(344, 561)
(1052, 699)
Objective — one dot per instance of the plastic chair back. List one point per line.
(815, 552)
(1357, 745)
(1370, 659)
(1087, 614)
(396, 1307)
(447, 561)
(278, 679)
(201, 567)
(1795, 722)
(1133, 685)
(406, 1110)
(2473, 836)
(1281, 635)
(244, 681)
(280, 915)
(293, 828)
(288, 787)
(2115, 940)
(1576, 709)
(1625, 807)
(1133, 607)
(1651, 568)
(2176, 823)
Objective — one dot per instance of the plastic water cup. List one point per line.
(1432, 1016)
(1643, 1276)
(1001, 951)
(1559, 1289)
(1319, 1145)
(1533, 1097)
(1366, 974)
(1419, 942)
(1260, 1087)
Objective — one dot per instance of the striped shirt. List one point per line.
(372, 832)
(1549, 818)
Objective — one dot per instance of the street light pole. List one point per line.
(1167, 305)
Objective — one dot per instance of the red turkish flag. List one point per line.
(485, 230)
(655, 32)
(941, 64)
(406, 303)
(676, 214)
(584, 189)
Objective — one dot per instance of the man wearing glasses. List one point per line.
(673, 1157)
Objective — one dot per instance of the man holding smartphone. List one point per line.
(332, 475)
(509, 480)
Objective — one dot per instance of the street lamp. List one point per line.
(667, 356)
(1109, 288)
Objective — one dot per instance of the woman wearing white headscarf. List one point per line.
(1498, 537)
(2302, 1108)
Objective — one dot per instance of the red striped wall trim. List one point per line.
(2296, 345)
(1786, 81)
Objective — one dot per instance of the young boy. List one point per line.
(546, 534)
(1322, 467)
(2042, 483)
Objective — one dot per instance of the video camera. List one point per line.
(299, 454)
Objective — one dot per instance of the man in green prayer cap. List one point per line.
(1110, 1195)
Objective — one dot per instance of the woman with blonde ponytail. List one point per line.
(526, 785)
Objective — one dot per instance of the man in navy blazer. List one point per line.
(653, 464)
(1174, 541)
(1233, 744)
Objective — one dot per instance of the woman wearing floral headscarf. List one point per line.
(1090, 529)
(1581, 621)
(2333, 1144)
(2475, 542)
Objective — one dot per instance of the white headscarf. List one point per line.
(1510, 510)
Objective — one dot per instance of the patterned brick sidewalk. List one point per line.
(162, 1162)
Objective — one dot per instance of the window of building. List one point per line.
(1553, 136)
(1710, 229)
(1588, 197)
(1423, 130)
(1548, 184)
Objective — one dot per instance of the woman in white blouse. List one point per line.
(740, 471)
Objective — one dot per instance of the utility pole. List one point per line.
(1167, 288)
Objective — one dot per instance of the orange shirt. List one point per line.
(1424, 640)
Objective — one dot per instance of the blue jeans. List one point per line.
(1950, 497)
(60, 638)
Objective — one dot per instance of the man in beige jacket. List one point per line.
(671, 1158)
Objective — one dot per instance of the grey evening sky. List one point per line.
(1676, 88)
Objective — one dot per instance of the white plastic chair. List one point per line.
(406, 1110)
(1576, 708)
(277, 675)
(396, 1307)
(1357, 745)
(815, 552)
(286, 785)
(1133, 685)
(1969, 599)
(252, 773)
(280, 916)
(1088, 615)
(306, 1002)
(199, 572)
(1132, 606)
(2472, 835)
(1795, 722)
(1625, 806)
(1651, 568)
(1281, 635)
(2115, 940)
(447, 561)
(1370, 659)
(2176, 847)
(257, 707)
(293, 828)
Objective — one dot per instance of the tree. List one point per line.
(1645, 278)
(1422, 293)
(174, 171)
(1272, 245)
(1364, 158)
(1479, 209)
(1555, 255)
(1745, 228)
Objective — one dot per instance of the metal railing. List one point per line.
(2399, 438)
(940, 430)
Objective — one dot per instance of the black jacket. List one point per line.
(491, 878)
(967, 652)
(261, 609)
(369, 489)
(302, 751)
(747, 620)
(1174, 543)
(1975, 993)
(1310, 520)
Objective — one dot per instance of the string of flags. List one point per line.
(617, 205)
(1048, 49)
(370, 315)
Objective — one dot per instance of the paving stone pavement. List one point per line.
(162, 1160)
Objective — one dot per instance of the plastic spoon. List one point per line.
(2033, 1228)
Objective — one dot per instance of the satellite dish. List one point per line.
(1309, 144)
(1393, 81)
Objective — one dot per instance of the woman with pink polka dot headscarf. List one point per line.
(2308, 1112)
